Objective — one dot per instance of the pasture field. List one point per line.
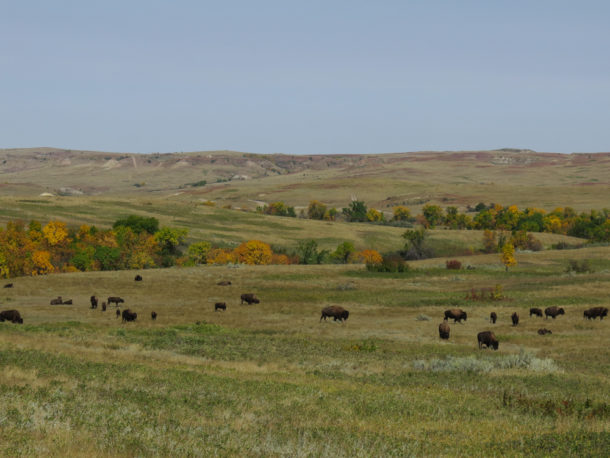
(271, 380)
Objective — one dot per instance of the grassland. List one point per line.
(270, 380)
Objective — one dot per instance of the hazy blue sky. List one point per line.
(305, 76)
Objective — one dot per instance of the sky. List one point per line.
(305, 77)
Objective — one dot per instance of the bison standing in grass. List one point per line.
(457, 315)
(443, 330)
(336, 312)
(8, 285)
(249, 298)
(554, 311)
(117, 300)
(536, 311)
(493, 317)
(595, 312)
(515, 318)
(220, 306)
(488, 339)
(138, 278)
(128, 315)
(153, 315)
(11, 315)
(93, 300)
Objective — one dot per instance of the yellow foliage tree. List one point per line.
(508, 255)
(55, 232)
(401, 213)
(220, 256)
(254, 252)
(369, 257)
(374, 215)
(41, 263)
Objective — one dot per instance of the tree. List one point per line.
(414, 246)
(433, 214)
(343, 252)
(138, 224)
(401, 213)
(490, 244)
(316, 210)
(356, 211)
(508, 255)
(41, 260)
(307, 250)
(369, 257)
(170, 239)
(373, 215)
(254, 252)
(198, 252)
(55, 232)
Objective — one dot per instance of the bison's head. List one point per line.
(464, 315)
(495, 344)
(345, 315)
(604, 312)
(561, 311)
(20, 320)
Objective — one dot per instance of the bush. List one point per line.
(390, 263)
(453, 264)
(579, 267)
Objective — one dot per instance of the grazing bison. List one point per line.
(67, 302)
(488, 339)
(443, 330)
(57, 301)
(554, 311)
(224, 283)
(118, 313)
(117, 300)
(336, 312)
(456, 314)
(220, 306)
(138, 278)
(153, 315)
(93, 300)
(595, 312)
(543, 331)
(128, 315)
(249, 298)
(103, 306)
(11, 315)
(493, 317)
(536, 311)
(8, 285)
(515, 318)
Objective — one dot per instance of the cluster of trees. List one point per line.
(137, 242)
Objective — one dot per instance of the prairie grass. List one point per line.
(271, 380)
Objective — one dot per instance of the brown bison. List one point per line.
(67, 302)
(249, 298)
(224, 283)
(117, 300)
(103, 306)
(443, 330)
(553, 311)
(536, 311)
(11, 315)
(128, 315)
(93, 301)
(118, 313)
(220, 306)
(543, 331)
(488, 339)
(515, 318)
(138, 278)
(336, 312)
(8, 285)
(595, 312)
(493, 317)
(457, 315)
(153, 315)
(56, 301)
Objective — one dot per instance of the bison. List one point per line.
(138, 278)
(11, 315)
(515, 318)
(153, 315)
(117, 300)
(456, 314)
(493, 317)
(103, 306)
(336, 312)
(595, 312)
(553, 311)
(93, 301)
(443, 330)
(67, 302)
(543, 331)
(536, 311)
(220, 306)
(56, 301)
(249, 298)
(8, 285)
(224, 283)
(128, 315)
(488, 339)
(118, 313)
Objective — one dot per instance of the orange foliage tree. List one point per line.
(41, 261)
(369, 257)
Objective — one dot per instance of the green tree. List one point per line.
(433, 214)
(356, 211)
(316, 210)
(415, 243)
(343, 252)
(138, 224)
(198, 252)
(170, 240)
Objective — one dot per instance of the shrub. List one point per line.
(453, 264)
(579, 267)
(391, 263)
